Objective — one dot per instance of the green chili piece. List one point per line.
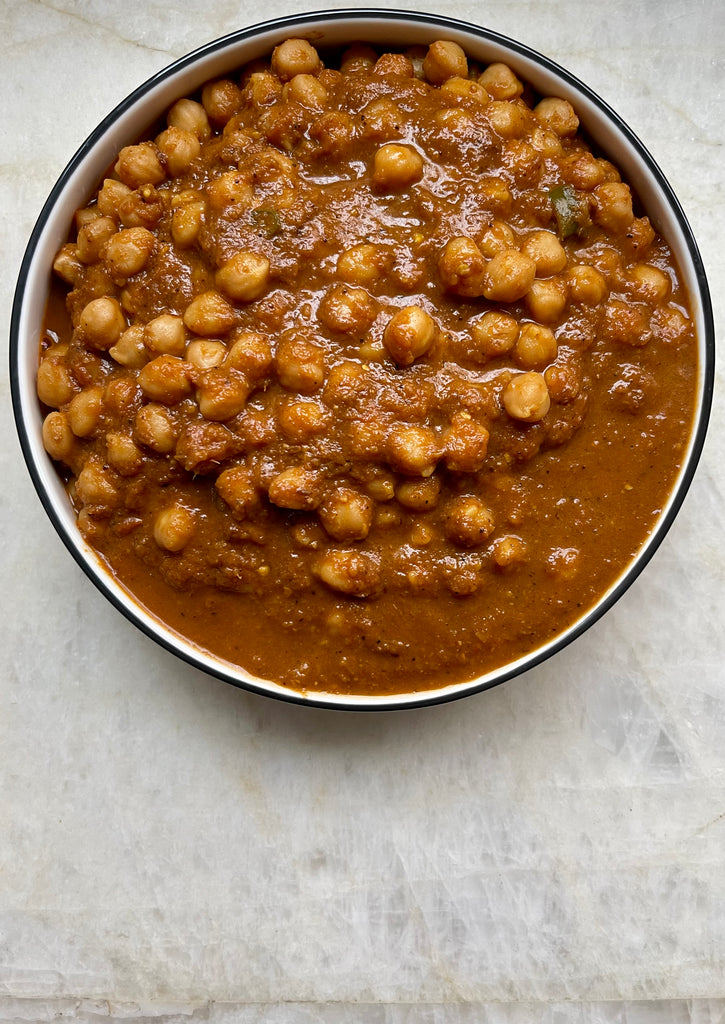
(570, 215)
(267, 219)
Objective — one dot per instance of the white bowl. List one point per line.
(131, 117)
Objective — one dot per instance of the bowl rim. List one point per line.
(164, 635)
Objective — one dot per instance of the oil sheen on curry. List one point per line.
(366, 375)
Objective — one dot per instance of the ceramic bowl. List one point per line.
(124, 124)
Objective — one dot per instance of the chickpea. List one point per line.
(174, 527)
(122, 454)
(413, 450)
(409, 334)
(465, 444)
(102, 322)
(546, 251)
(296, 488)
(396, 166)
(295, 57)
(348, 310)
(300, 421)
(587, 286)
(563, 381)
(500, 82)
(382, 119)
(351, 572)
(205, 353)
(263, 89)
(496, 238)
(236, 487)
(494, 334)
(649, 282)
(508, 552)
(128, 251)
(209, 314)
(222, 393)
(121, 397)
(58, 439)
(165, 335)
(93, 236)
(67, 265)
(624, 323)
(346, 514)
(496, 196)
(155, 427)
(95, 486)
(526, 397)
(306, 90)
(464, 88)
(509, 276)
(546, 300)
(140, 165)
(129, 350)
(613, 206)
(180, 148)
(507, 119)
(419, 495)
(165, 380)
(357, 58)
(221, 100)
(186, 223)
(244, 277)
(393, 64)
(231, 192)
(469, 522)
(84, 411)
(535, 346)
(110, 197)
(444, 60)
(362, 264)
(462, 267)
(558, 115)
(300, 364)
(191, 117)
(251, 353)
(54, 384)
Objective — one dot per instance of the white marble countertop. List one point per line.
(174, 849)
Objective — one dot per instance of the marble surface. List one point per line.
(172, 849)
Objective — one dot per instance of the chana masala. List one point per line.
(367, 376)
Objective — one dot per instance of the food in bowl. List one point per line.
(366, 372)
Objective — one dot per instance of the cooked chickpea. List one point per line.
(506, 118)
(613, 206)
(546, 300)
(209, 314)
(346, 514)
(186, 222)
(464, 88)
(444, 60)
(496, 196)
(295, 57)
(165, 380)
(357, 57)
(382, 119)
(111, 196)
(409, 334)
(251, 353)
(93, 236)
(396, 166)
(174, 527)
(191, 117)
(129, 350)
(419, 495)
(102, 322)
(140, 165)
(462, 267)
(496, 238)
(180, 148)
(205, 353)
(558, 115)
(58, 438)
(123, 454)
(236, 487)
(413, 450)
(465, 444)
(494, 334)
(500, 82)
(222, 393)
(306, 90)
(95, 486)
(362, 264)
(299, 421)
(348, 571)
(393, 64)
(296, 488)
(535, 346)
(348, 310)
(587, 286)
(165, 335)
(121, 397)
(230, 192)
(563, 381)
(84, 411)
(526, 397)
(624, 323)
(469, 522)
(221, 100)
(155, 427)
(300, 364)
(244, 277)
(508, 551)
(128, 251)
(509, 276)
(67, 265)
(649, 282)
(54, 384)
(546, 251)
